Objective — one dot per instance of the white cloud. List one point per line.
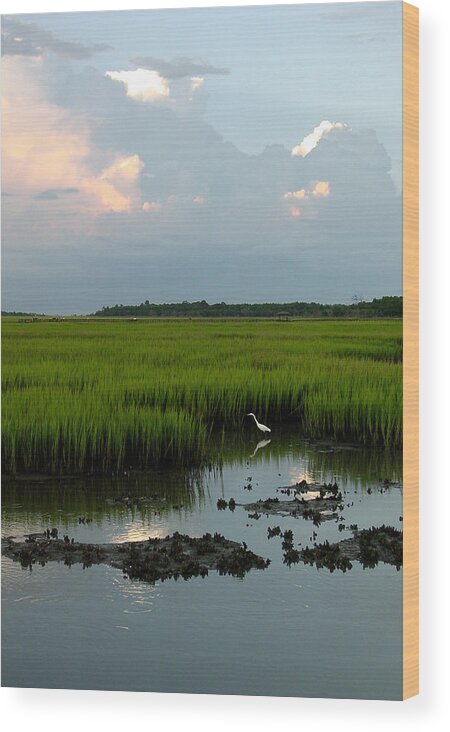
(196, 82)
(142, 84)
(151, 206)
(296, 194)
(312, 140)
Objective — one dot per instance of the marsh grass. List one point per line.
(94, 395)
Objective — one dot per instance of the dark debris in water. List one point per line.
(327, 556)
(222, 504)
(255, 516)
(316, 510)
(311, 501)
(367, 546)
(176, 556)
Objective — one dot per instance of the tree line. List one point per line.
(383, 307)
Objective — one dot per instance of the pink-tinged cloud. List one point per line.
(321, 189)
(44, 147)
(117, 187)
(295, 212)
(317, 189)
(199, 200)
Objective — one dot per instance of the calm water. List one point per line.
(284, 631)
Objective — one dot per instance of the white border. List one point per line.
(75, 711)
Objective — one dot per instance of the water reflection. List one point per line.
(363, 465)
(261, 444)
(139, 500)
(213, 635)
(63, 502)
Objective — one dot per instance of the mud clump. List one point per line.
(240, 561)
(317, 510)
(382, 544)
(367, 546)
(326, 555)
(155, 559)
(290, 555)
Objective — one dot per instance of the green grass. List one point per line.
(91, 395)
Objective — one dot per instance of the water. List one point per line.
(283, 631)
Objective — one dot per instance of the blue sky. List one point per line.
(197, 173)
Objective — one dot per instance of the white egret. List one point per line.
(261, 427)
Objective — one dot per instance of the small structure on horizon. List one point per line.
(283, 316)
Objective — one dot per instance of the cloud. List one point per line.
(116, 189)
(49, 195)
(142, 84)
(295, 194)
(197, 82)
(48, 150)
(318, 189)
(27, 39)
(178, 68)
(200, 211)
(43, 146)
(183, 95)
(312, 140)
(151, 206)
(52, 194)
(321, 189)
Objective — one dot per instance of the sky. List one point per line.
(245, 154)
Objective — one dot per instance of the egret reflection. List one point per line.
(261, 443)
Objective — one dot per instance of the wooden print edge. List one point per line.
(410, 104)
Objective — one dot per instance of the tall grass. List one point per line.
(92, 395)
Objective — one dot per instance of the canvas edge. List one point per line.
(410, 103)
